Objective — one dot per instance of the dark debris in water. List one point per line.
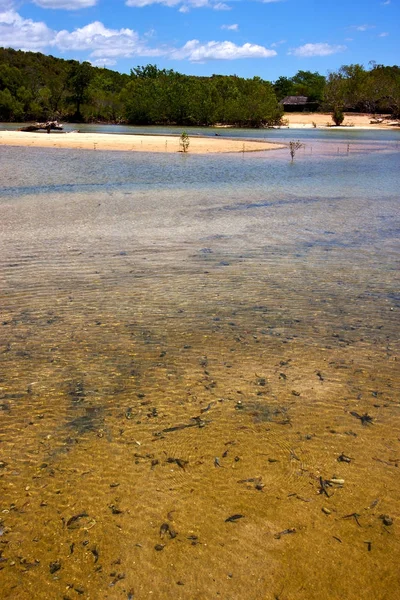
(365, 419)
(234, 518)
(278, 536)
(386, 520)
(91, 421)
(344, 458)
(75, 521)
(115, 510)
(54, 567)
(195, 422)
(116, 578)
(179, 461)
(77, 391)
(262, 412)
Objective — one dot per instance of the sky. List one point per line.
(265, 38)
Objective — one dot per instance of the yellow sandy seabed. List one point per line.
(134, 143)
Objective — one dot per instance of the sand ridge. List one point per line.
(134, 143)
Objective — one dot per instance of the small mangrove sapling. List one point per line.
(293, 147)
(184, 141)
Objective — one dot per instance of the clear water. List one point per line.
(186, 339)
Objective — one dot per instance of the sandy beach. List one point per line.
(134, 143)
(304, 120)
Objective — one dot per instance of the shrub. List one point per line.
(184, 142)
(337, 116)
(293, 147)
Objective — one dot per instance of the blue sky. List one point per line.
(267, 38)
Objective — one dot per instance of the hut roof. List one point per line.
(297, 100)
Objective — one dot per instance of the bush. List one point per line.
(338, 116)
(184, 141)
(293, 147)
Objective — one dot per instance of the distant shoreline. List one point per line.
(290, 120)
(351, 121)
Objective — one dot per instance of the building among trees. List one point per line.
(298, 104)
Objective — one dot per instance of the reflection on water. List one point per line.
(198, 377)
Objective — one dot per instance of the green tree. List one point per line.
(283, 87)
(258, 103)
(312, 85)
(79, 81)
(354, 88)
(10, 108)
(384, 90)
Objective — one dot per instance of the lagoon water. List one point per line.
(199, 379)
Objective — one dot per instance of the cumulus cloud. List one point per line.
(316, 50)
(104, 42)
(197, 52)
(234, 27)
(65, 4)
(23, 34)
(26, 34)
(104, 45)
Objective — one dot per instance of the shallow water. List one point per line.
(185, 339)
(305, 134)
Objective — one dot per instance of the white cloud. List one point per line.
(184, 5)
(364, 27)
(316, 50)
(234, 27)
(104, 45)
(103, 62)
(142, 3)
(103, 42)
(197, 52)
(386, 3)
(23, 34)
(383, 34)
(65, 4)
(275, 44)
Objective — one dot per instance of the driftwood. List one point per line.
(48, 126)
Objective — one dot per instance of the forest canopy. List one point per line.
(36, 87)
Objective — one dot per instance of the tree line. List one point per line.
(36, 87)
